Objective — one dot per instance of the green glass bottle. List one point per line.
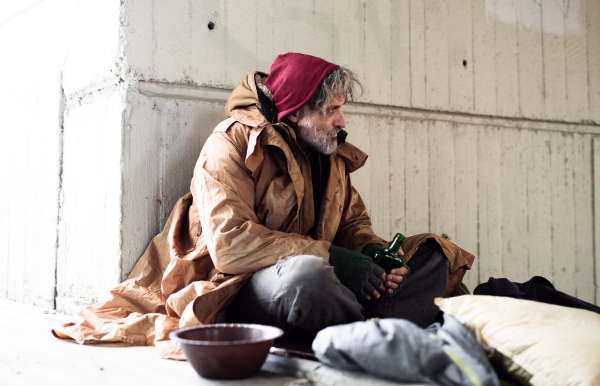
(388, 257)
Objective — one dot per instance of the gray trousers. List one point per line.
(303, 292)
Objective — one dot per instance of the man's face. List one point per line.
(320, 131)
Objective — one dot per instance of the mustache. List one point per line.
(335, 130)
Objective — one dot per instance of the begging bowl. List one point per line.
(227, 350)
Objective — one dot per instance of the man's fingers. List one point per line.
(400, 252)
(375, 294)
(399, 271)
(394, 278)
(382, 284)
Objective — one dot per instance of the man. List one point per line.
(273, 231)
(291, 216)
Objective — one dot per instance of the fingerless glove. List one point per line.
(355, 271)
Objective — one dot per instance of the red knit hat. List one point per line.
(293, 80)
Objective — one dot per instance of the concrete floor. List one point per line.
(31, 355)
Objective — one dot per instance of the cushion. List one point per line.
(534, 343)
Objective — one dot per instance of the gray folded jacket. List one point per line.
(400, 350)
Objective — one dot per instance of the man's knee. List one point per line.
(306, 273)
(429, 254)
(300, 291)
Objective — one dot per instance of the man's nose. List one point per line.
(340, 119)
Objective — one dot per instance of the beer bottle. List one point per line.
(388, 257)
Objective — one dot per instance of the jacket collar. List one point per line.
(263, 133)
(244, 106)
(353, 156)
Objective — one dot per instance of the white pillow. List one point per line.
(535, 343)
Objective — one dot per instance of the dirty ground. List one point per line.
(32, 356)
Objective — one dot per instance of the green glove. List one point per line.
(355, 271)
(381, 256)
(370, 249)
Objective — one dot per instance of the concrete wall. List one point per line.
(519, 195)
(54, 52)
(482, 118)
(508, 58)
(33, 46)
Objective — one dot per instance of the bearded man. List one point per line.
(273, 232)
(280, 171)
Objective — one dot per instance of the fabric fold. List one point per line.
(398, 349)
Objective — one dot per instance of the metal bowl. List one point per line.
(226, 351)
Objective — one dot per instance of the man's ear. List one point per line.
(294, 117)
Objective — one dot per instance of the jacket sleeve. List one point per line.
(224, 192)
(355, 231)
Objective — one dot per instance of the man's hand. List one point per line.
(362, 276)
(393, 279)
(390, 281)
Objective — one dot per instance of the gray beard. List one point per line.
(309, 133)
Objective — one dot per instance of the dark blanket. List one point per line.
(537, 288)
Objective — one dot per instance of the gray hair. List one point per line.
(341, 82)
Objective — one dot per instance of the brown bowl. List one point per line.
(226, 351)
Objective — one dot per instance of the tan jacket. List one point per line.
(250, 205)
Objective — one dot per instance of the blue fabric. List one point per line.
(400, 350)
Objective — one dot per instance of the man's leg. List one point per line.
(427, 280)
(299, 291)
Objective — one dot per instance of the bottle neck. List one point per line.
(395, 245)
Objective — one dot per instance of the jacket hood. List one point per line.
(244, 103)
(294, 78)
(244, 106)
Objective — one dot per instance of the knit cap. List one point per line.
(293, 80)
